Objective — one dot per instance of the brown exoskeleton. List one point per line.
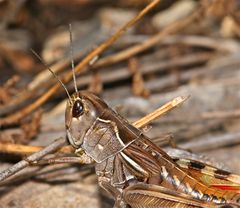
(135, 171)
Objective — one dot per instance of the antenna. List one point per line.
(64, 87)
(72, 61)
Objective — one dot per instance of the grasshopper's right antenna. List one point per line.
(72, 61)
(64, 87)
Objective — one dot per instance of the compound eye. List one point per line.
(77, 109)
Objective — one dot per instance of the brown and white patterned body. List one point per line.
(135, 171)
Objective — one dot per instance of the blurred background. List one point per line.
(180, 48)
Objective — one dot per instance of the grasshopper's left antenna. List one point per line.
(64, 87)
(72, 61)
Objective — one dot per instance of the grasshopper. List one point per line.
(135, 171)
(132, 169)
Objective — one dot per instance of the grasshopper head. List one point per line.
(81, 112)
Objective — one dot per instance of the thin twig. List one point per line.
(116, 36)
(21, 149)
(159, 112)
(32, 158)
(212, 142)
(132, 51)
(221, 114)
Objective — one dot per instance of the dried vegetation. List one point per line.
(185, 47)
